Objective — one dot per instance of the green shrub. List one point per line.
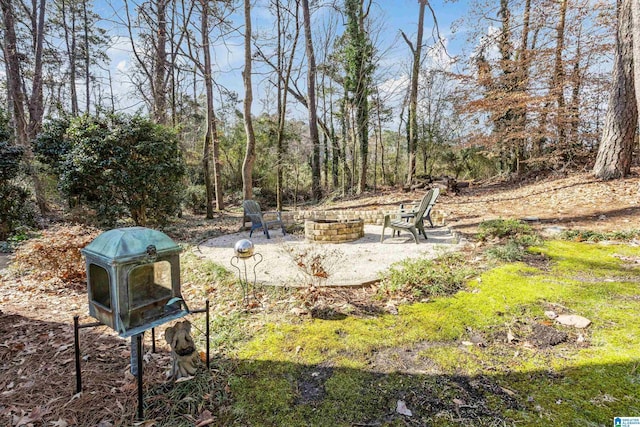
(120, 166)
(509, 252)
(594, 236)
(422, 277)
(515, 236)
(15, 208)
(195, 198)
(502, 228)
(51, 146)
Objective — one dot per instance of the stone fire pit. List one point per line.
(333, 231)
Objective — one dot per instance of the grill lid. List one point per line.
(130, 243)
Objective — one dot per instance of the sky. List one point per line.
(391, 15)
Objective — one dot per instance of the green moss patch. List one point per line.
(466, 358)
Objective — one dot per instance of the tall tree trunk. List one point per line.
(250, 152)
(284, 76)
(574, 108)
(325, 138)
(281, 110)
(558, 77)
(635, 28)
(335, 144)
(87, 58)
(160, 63)
(213, 189)
(358, 56)
(36, 101)
(16, 96)
(362, 100)
(344, 128)
(396, 163)
(522, 82)
(27, 126)
(70, 43)
(413, 95)
(618, 135)
(316, 188)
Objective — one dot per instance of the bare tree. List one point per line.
(250, 151)
(283, 71)
(151, 58)
(559, 74)
(413, 93)
(68, 14)
(211, 141)
(316, 188)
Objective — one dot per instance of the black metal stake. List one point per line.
(76, 345)
(207, 330)
(140, 396)
(206, 311)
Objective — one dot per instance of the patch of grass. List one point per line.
(205, 275)
(181, 404)
(509, 252)
(20, 235)
(503, 228)
(596, 236)
(204, 279)
(502, 383)
(427, 278)
(513, 237)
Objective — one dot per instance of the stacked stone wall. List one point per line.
(333, 231)
(298, 217)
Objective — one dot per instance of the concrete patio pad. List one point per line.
(345, 264)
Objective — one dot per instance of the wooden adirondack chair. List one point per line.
(412, 220)
(253, 212)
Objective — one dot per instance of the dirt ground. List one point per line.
(576, 201)
(36, 352)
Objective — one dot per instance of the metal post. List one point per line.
(153, 340)
(76, 345)
(140, 396)
(207, 330)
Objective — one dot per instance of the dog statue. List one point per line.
(183, 351)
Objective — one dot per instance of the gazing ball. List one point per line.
(244, 248)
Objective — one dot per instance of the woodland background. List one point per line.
(529, 92)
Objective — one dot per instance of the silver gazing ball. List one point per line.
(244, 248)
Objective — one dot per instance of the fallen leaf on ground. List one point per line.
(35, 415)
(507, 391)
(205, 419)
